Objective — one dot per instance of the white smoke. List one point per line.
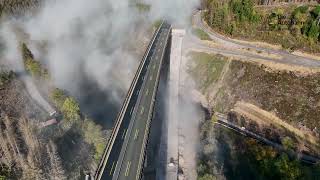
(79, 36)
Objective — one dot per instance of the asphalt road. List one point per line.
(126, 157)
(229, 47)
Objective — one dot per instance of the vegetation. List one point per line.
(17, 7)
(207, 177)
(241, 157)
(58, 96)
(32, 66)
(93, 135)
(201, 34)
(24, 153)
(294, 97)
(71, 109)
(5, 78)
(142, 7)
(206, 68)
(293, 27)
(91, 132)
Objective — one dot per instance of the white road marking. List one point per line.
(147, 92)
(136, 134)
(128, 169)
(151, 78)
(142, 110)
(124, 134)
(112, 167)
(154, 67)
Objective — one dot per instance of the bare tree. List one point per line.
(56, 171)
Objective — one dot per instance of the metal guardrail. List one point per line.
(123, 109)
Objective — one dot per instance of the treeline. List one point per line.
(72, 117)
(271, 2)
(293, 27)
(227, 155)
(32, 66)
(66, 150)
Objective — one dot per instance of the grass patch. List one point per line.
(201, 34)
(206, 69)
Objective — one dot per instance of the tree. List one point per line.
(58, 96)
(93, 135)
(33, 67)
(287, 169)
(287, 143)
(207, 177)
(56, 170)
(313, 33)
(71, 109)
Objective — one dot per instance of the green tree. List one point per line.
(58, 96)
(33, 67)
(207, 177)
(5, 78)
(316, 12)
(288, 170)
(313, 32)
(71, 109)
(93, 135)
(287, 143)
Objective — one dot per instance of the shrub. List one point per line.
(93, 135)
(71, 109)
(58, 96)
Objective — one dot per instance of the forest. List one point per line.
(293, 26)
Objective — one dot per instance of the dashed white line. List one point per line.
(136, 134)
(128, 169)
(124, 134)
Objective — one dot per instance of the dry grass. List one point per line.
(273, 67)
(266, 118)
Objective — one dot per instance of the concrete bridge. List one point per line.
(124, 155)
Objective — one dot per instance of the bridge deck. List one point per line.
(125, 157)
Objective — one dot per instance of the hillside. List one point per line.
(293, 26)
(277, 104)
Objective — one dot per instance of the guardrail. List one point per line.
(123, 109)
